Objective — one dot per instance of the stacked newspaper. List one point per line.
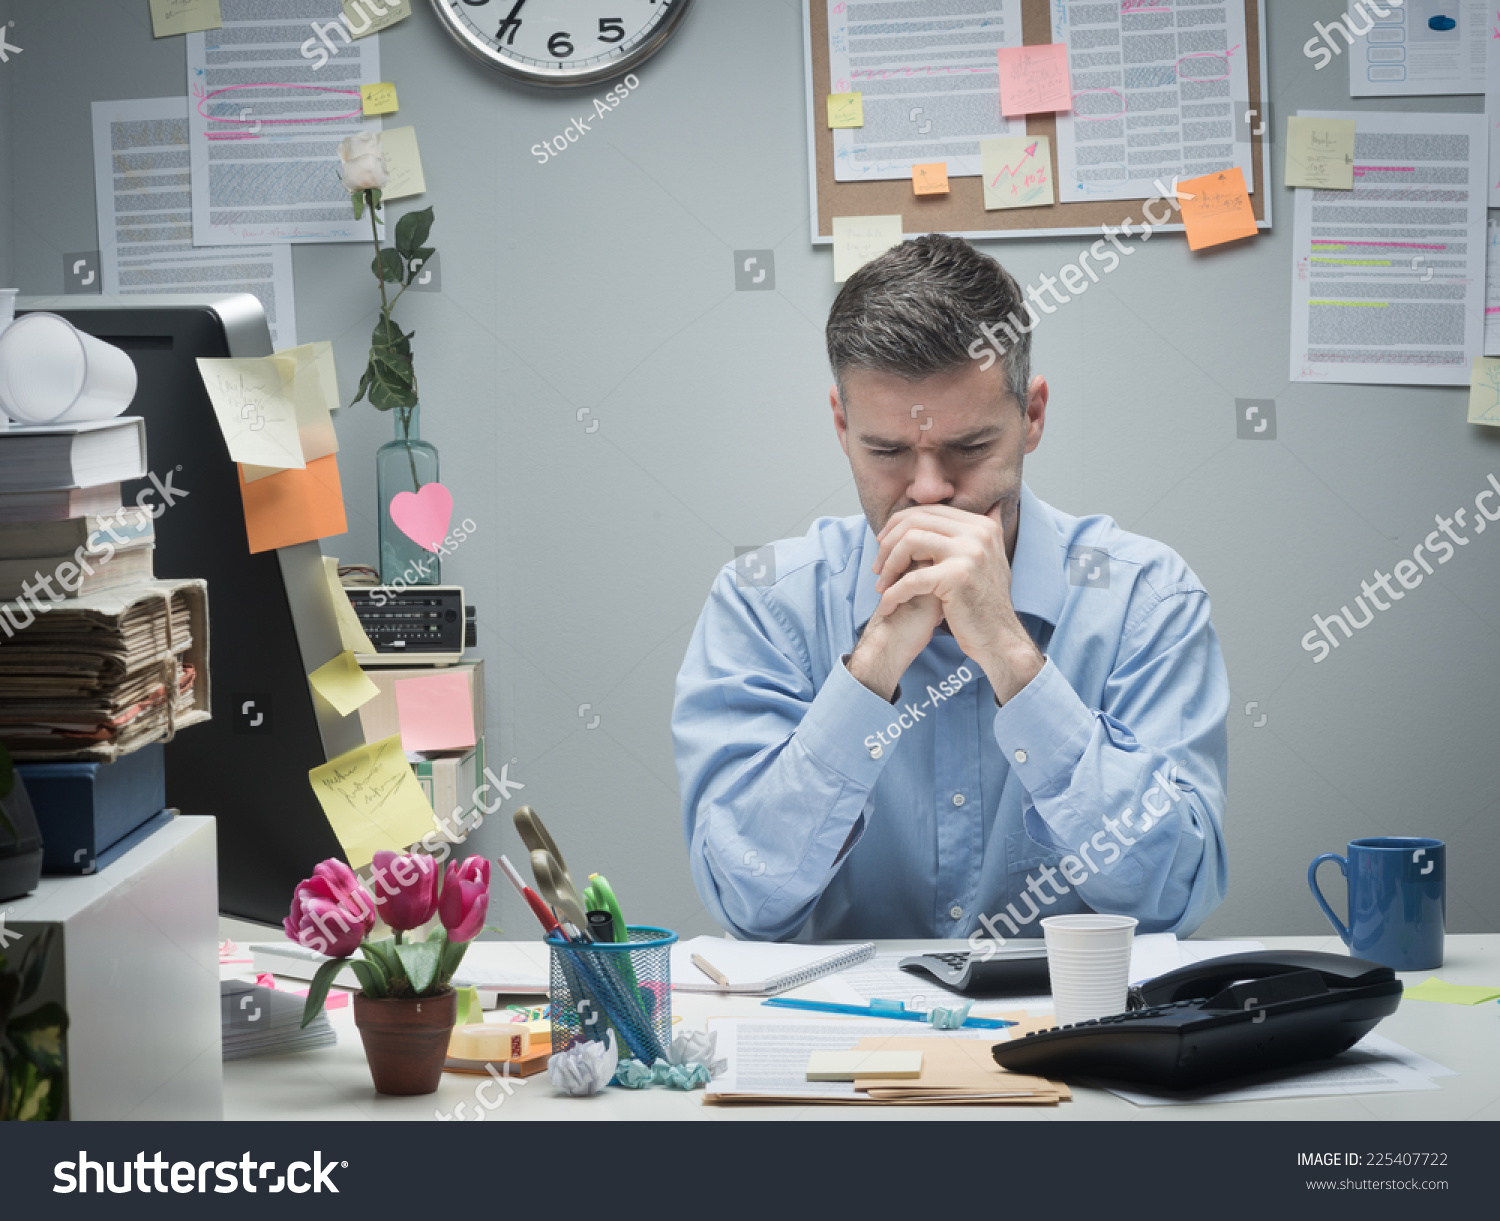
(259, 1021)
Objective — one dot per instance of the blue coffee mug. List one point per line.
(1397, 900)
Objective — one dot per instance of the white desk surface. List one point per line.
(334, 1082)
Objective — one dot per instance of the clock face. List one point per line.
(561, 42)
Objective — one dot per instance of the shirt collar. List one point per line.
(1037, 571)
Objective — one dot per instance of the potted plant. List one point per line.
(33, 1049)
(406, 1007)
(406, 463)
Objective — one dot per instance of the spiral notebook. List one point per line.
(759, 968)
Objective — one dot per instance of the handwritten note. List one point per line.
(436, 711)
(351, 631)
(1017, 172)
(1219, 211)
(314, 391)
(367, 18)
(403, 162)
(184, 17)
(846, 110)
(1034, 79)
(1484, 391)
(378, 99)
(1320, 153)
(343, 684)
(858, 239)
(251, 397)
(930, 179)
(372, 800)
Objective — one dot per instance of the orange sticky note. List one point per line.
(282, 511)
(1035, 79)
(1219, 211)
(930, 179)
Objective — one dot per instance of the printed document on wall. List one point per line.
(1159, 91)
(270, 97)
(1492, 107)
(146, 219)
(931, 84)
(1421, 47)
(1492, 289)
(1388, 284)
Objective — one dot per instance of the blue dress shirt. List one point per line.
(816, 810)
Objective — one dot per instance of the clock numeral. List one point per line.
(513, 24)
(611, 25)
(559, 45)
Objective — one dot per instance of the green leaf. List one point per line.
(421, 959)
(412, 230)
(39, 1036)
(392, 364)
(359, 204)
(317, 991)
(416, 261)
(384, 952)
(453, 955)
(388, 266)
(364, 385)
(371, 977)
(375, 199)
(397, 339)
(391, 391)
(31, 1093)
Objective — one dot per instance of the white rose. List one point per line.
(364, 162)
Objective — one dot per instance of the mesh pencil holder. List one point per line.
(624, 986)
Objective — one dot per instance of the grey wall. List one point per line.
(603, 279)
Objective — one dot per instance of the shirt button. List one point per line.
(1020, 756)
(955, 912)
(958, 799)
(876, 752)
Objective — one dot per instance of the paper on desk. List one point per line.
(1435, 989)
(436, 711)
(146, 221)
(314, 391)
(170, 17)
(265, 122)
(351, 631)
(372, 800)
(1034, 79)
(252, 401)
(343, 684)
(858, 239)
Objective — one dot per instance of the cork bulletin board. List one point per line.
(962, 211)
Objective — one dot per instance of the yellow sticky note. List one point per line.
(858, 239)
(372, 16)
(351, 631)
(1484, 391)
(184, 16)
(1219, 210)
(252, 401)
(1435, 989)
(846, 110)
(1320, 153)
(931, 179)
(373, 800)
(1017, 172)
(403, 162)
(343, 684)
(378, 99)
(314, 391)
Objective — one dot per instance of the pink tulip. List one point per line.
(405, 889)
(466, 898)
(331, 911)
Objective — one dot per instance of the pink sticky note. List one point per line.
(1035, 79)
(436, 711)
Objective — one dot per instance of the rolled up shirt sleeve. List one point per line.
(775, 762)
(1134, 790)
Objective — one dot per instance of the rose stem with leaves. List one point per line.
(385, 316)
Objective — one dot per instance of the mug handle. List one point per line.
(1312, 881)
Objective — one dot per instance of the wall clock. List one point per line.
(561, 42)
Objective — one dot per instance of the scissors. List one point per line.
(557, 888)
(534, 835)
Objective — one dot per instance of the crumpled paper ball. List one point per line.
(634, 1075)
(949, 1019)
(696, 1047)
(585, 1068)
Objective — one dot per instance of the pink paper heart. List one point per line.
(423, 515)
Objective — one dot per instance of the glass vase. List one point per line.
(404, 464)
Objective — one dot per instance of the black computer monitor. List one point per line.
(270, 618)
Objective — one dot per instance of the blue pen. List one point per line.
(879, 1008)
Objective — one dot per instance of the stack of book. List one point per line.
(97, 658)
(258, 1021)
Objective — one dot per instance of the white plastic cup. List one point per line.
(53, 373)
(7, 306)
(1088, 961)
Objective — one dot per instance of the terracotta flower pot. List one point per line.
(406, 1039)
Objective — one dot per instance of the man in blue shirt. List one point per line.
(964, 710)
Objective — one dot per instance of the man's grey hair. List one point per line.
(917, 311)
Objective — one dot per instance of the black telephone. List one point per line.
(1226, 1017)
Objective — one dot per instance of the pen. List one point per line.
(879, 1008)
(710, 970)
(533, 900)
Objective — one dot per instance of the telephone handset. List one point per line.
(1226, 1017)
